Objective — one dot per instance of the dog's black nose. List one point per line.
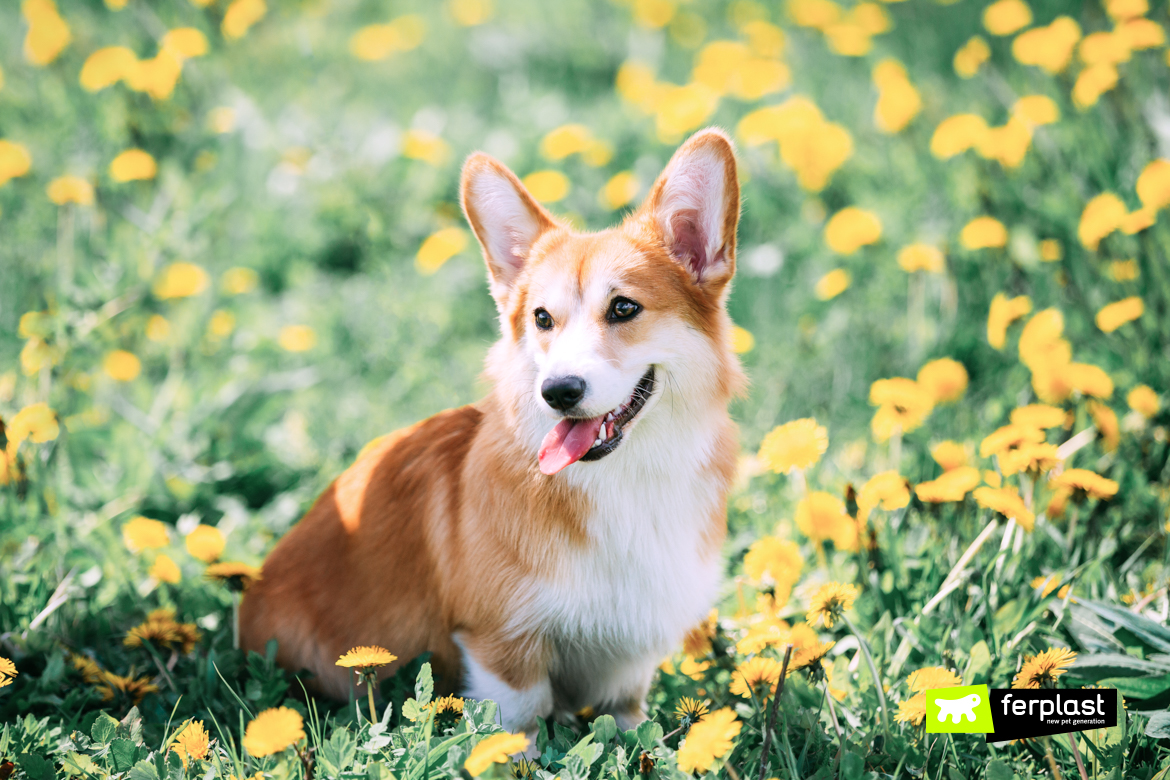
(563, 392)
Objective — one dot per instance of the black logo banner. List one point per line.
(1026, 713)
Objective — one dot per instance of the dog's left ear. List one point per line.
(694, 206)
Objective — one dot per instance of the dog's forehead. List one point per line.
(585, 268)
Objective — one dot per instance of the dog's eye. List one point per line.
(544, 320)
(622, 309)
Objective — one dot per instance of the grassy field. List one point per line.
(231, 254)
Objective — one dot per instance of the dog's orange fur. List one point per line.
(433, 532)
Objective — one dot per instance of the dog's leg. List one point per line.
(522, 691)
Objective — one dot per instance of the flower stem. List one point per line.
(770, 719)
(370, 694)
(235, 620)
(877, 680)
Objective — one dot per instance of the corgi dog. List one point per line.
(550, 544)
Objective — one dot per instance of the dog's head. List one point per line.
(600, 327)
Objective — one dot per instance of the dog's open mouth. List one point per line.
(592, 438)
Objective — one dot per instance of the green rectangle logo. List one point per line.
(962, 710)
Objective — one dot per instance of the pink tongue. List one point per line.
(566, 443)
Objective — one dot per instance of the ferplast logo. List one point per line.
(1005, 714)
(962, 710)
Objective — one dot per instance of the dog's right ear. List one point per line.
(506, 219)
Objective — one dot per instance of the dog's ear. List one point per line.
(694, 207)
(506, 219)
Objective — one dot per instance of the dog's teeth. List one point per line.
(609, 417)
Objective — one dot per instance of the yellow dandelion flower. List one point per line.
(1008, 438)
(191, 741)
(1102, 215)
(889, 490)
(1007, 144)
(237, 576)
(133, 165)
(752, 675)
(1143, 400)
(141, 533)
(930, 677)
(983, 233)
(1105, 421)
(992, 478)
(121, 365)
(273, 730)
(971, 57)
(1004, 311)
(438, 248)
(297, 338)
(832, 284)
(689, 710)
(1031, 458)
(221, 324)
(902, 403)
(164, 569)
(1051, 250)
(160, 628)
(852, 228)
(953, 485)
(221, 119)
(913, 710)
(809, 655)
(470, 13)
(89, 669)
(949, 455)
(48, 34)
(566, 140)
(184, 43)
(898, 101)
(1040, 416)
(367, 657)
(547, 186)
(158, 328)
(742, 340)
(711, 738)
(238, 281)
(1040, 341)
(1050, 583)
(15, 161)
(205, 543)
(7, 671)
(771, 558)
(1114, 315)
(1041, 671)
(821, 517)
(1007, 502)
(829, 603)
(1036, 110)
(1139, 34)
(1088, 379)
(794, 445)
(180, 280)
(1103, 48)
(945, 379)
(921, 257)
(113, 686)
(1121, 10)
(1153, 185)
(1005, 17)
(1050, 48)
(620, 190)
(681, 109)
(1092, 83)
(70, 189)
(240, 16)
(956, 134)
(494, 749)
(106, 67)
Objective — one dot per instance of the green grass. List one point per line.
(312, 191)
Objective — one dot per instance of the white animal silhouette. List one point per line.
(958, 708)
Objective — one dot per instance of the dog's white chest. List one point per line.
(647, 575)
